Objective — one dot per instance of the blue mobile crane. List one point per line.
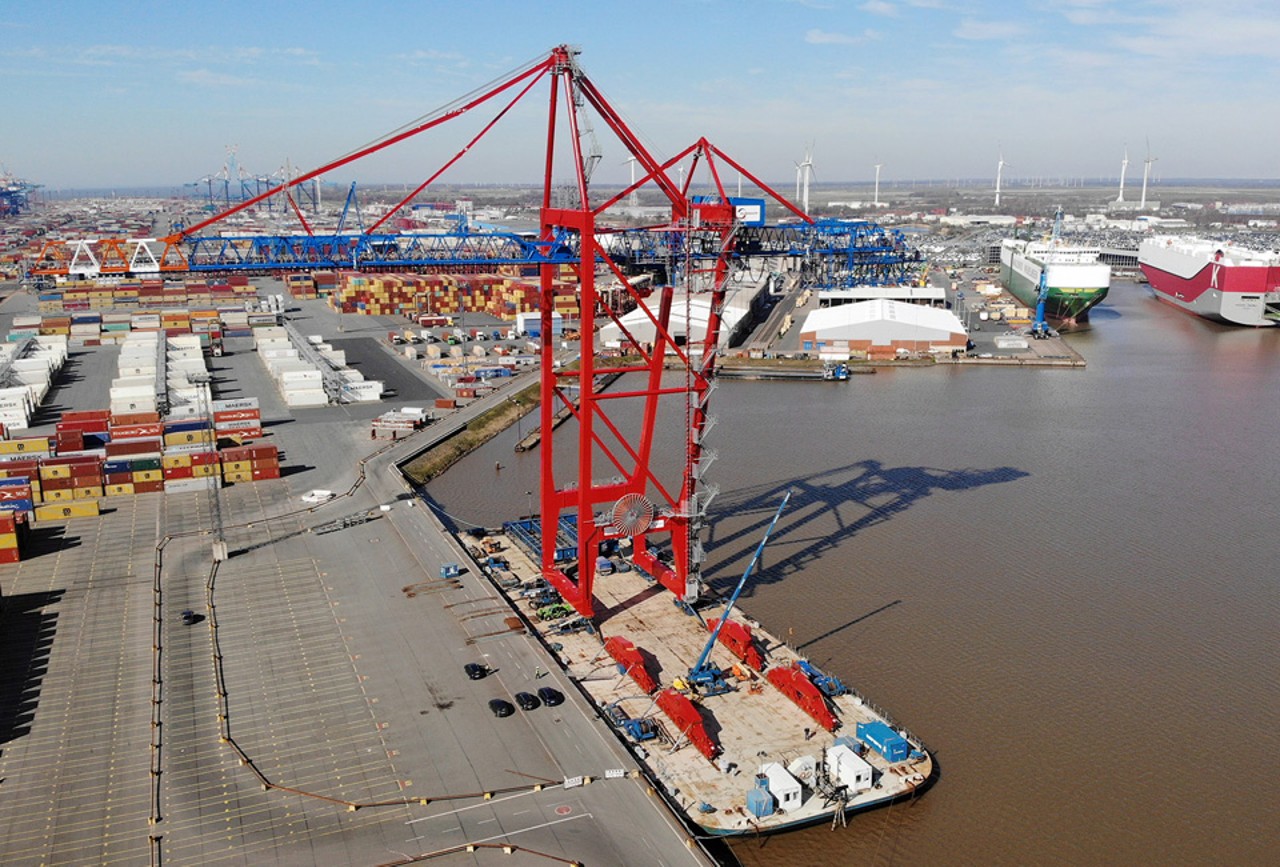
(706, 677)
(1040, 328)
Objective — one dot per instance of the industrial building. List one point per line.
(689, 315)
(881, 329)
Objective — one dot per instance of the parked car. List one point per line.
(550, 697)
(527, 700)
(501, 708)
(188, 617)
(475, 670)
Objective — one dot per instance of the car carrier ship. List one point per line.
(1221, 281)
(1076, 281)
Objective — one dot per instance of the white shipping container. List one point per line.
(238, 424)
(187, 486)
(128, 392)
(234, 405)
(311, 375)
(124, 405)
(32, 377)
(313, 397)
(363, 392)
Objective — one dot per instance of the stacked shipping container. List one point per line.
(415, 294)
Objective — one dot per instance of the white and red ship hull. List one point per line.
(1219, 281)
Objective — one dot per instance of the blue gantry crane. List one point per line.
(706, 677)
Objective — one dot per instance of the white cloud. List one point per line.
(880, 7)
(825, 37)
(973, 29)
(209, 78)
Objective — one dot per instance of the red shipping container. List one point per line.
(73, 461)
(204, 459)
(69, 441)
(178, 473)
(9, 555)
(7, 522)
(264, 452)
(96, 426)
(127, 418)
(87, 415)
(148, 487)
(134, 431)
(238, 415)
(57, 484)
(238, 453)
(265, 473)
(118, 479)
(134, 447)
(14, 492)
(20, 468)
(242, 434)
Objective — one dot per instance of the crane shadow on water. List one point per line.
(852, 498)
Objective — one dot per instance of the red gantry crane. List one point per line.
(633, 500)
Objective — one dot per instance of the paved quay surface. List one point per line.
(327, 663)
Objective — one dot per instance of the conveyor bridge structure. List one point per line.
(330, 373)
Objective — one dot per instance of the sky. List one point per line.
(101, 94)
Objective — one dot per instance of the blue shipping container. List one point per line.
(884, 740)
(14, 482)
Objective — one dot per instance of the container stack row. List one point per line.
(135, 386)
(300, 382)
(186, 376)
(94, 328)
(78, 295)
(414, 294)
(31, 372)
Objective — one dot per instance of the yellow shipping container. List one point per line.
(118, 490)
(58, 495)
(56, 471)
(26, 444)
(238, 476)
(86, 493)
(201, 470)
(8, 540)
(186, 437)
(63, 511)
(148, 475)
(169, 462)
(236, 467)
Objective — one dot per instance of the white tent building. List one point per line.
(880, 329)
(689, 314)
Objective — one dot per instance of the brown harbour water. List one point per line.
(1067, 582)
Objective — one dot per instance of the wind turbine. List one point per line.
(633, 159)
(876, 202)
(804, 171)
(1000, 164)
(1124, 164)
(1146, 172)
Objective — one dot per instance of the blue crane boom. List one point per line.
(704, 675)
(1040, 328)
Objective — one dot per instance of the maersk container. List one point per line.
(884, 740)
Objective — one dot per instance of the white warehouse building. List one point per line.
(689, 314)
(881, 329)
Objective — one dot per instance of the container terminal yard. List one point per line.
(245, 636)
